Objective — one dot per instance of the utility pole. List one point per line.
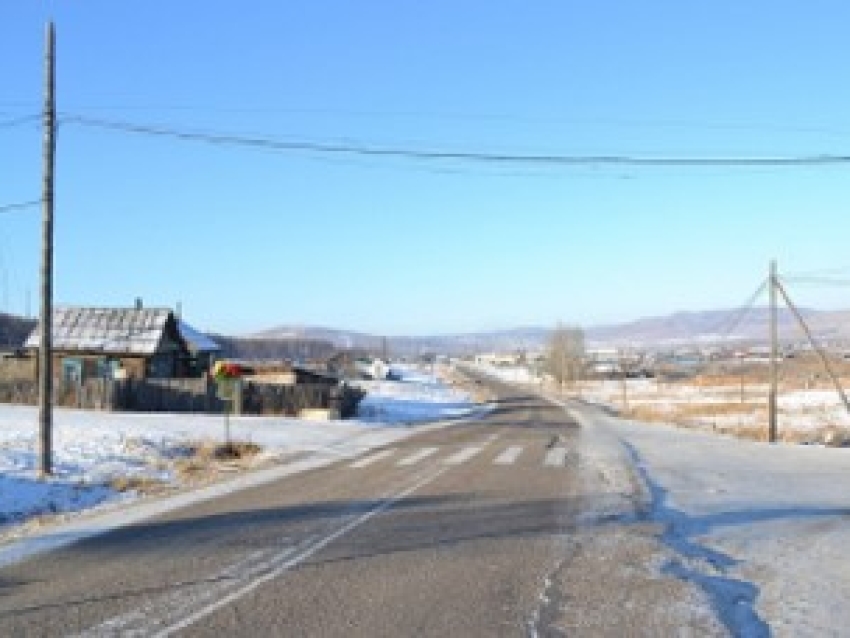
(624, 383)
(45, 350)
(774, 355)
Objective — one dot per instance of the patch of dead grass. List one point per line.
(207, 457)
(140, 484)
(679, 412)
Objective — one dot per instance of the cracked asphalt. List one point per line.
(476, 529)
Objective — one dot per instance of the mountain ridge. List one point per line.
(677, 328)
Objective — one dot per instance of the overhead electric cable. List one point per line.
(411, 153)
(8, 208)
(817, 281)
(17, 121)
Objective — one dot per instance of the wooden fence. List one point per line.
(187, 395)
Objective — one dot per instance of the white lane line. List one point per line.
(185, 597)
(556, 457)
(462, 456)
(373, 458)
(509, 456)
(424, 453)
(155, 619)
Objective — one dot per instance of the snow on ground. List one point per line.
(762, 529)
(727, 407)
(419, 396)
(722, 406)
(92, 450)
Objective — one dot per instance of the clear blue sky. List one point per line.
(249, 239)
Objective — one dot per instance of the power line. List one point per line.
(17, 121)
(818, 281)
(411, 153)
(8, 208)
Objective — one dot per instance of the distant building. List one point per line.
(372, 368)
(498, 359)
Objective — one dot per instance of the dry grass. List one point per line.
(140, 484)
(677, 413)
(699, 415)
(205, 459)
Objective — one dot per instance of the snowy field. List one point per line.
(809, 416)
(803, 414)
(94, 452)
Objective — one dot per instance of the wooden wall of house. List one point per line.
(17, 368)
(134, 365)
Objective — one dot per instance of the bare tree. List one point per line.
(565, 355)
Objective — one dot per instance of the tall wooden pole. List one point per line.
(45, 354)
(772, 433)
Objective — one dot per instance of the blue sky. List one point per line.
(249, 239)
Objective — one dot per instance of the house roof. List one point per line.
(197, 341)
(107, 330)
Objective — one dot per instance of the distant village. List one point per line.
(140, 358)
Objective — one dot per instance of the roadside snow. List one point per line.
(418, 397)
(94, 449)
(762, 529)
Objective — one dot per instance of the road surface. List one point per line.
(484, 528)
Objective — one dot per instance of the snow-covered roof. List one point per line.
(197, 341)
(107, 330)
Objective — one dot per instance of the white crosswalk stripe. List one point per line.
(556, 457)
(424, 453)
(463, 456)
(509, 456)
(373, 458)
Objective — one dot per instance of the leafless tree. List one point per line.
(565, 354)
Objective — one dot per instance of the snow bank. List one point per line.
(761, 529)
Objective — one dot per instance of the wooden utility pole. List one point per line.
(624, 383)
(45, 350)
(772, 433)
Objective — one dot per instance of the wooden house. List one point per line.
(115, 343)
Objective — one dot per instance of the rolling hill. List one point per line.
(650, 332)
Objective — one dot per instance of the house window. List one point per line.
(72, 370)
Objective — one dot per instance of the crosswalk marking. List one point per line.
(554, 457)
(418, 456)
(464, 455)
(509, 456)
(557, 457)
(373, 458)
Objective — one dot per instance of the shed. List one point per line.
(203, 350)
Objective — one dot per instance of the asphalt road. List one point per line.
(470, 530)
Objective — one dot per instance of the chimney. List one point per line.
(138, 303)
